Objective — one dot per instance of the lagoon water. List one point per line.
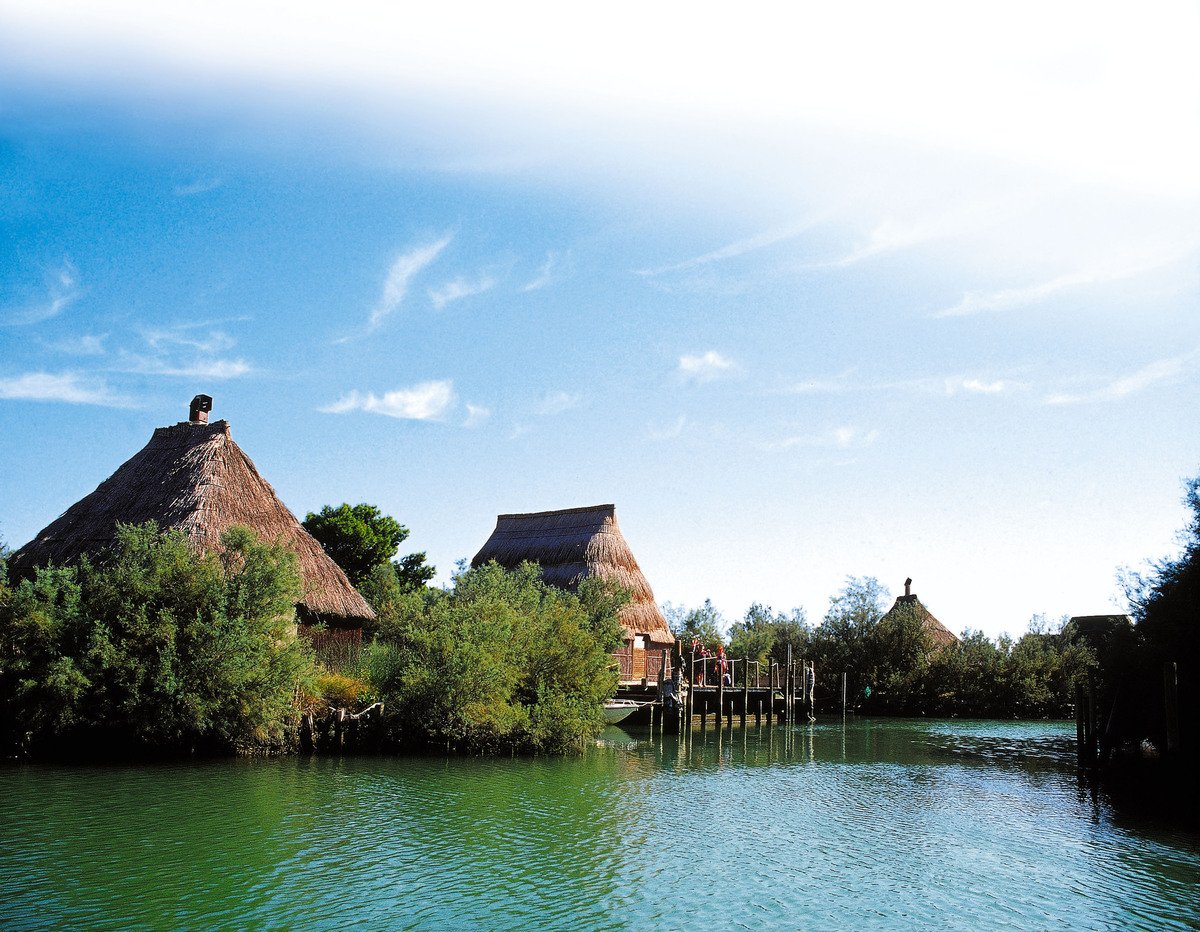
(874, 825)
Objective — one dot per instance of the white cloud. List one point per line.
(1163, 370)
(200, 186)
(841, 438)
(738, 248)
(67, 387)
(217, 341)
(976, 386)
(459, 288)
(557, 403)
(62, 289)
(712, 365)
(671, 431)
(1110, 271)
(544, 275)
(200, 368)
(401, 273)
(424, 402)
(476, 416)
(81, 346)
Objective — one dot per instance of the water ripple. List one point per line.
(878, 826)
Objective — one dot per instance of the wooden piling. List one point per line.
(745, 689)
(1171, 698)
(787, 691)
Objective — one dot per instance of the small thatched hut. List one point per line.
(573, 544)
(193, 477)
(939, 635)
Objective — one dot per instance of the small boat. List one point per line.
(617, 710)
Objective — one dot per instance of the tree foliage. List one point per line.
(151, 649)
(500, 661)
(359, 538)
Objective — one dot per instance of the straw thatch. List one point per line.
(193, 477)
(939, 635)
(571, 545)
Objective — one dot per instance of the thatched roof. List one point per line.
(571, 545)
(939, 634)
(193, 477)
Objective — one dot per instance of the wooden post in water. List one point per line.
(745, 689)
(787, 689)
(1091, 720)
(720, 695)
(1171, 696)
(1080, 729)
(843, 697)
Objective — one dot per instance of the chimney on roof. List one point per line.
(908, 587)
(201, 405)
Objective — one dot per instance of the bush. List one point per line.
(151, 649)
(500, 662)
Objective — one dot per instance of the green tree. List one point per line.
(704, 623)
(500, 661)
(359, 538)
(151, 649)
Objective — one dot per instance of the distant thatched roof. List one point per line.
(939, 634)
(193, 477)
(571, 545)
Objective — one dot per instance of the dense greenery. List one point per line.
(150, 649)
(892, 667)
(1165, 604)
(499, 662)
(362, 541)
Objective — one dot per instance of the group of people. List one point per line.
(701, 658)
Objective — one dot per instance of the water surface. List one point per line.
(878, 825)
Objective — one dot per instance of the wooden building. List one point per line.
(193, 477)
(573, 544)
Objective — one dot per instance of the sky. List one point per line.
(809, 291)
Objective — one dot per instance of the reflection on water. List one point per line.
(878, 825)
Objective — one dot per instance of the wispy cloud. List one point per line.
(460, 288)
(544, 276)
(216, 341)
(427, 401)
(1164, 370)
(403, 270)
(201, 369)
(476, 416)
(671, 431)
(81, 346)
(840, 438)
(199, 186)
(712, 365)
(61, 290)
(557, 403)
(737, 248)
(67, 387)
(976, 302)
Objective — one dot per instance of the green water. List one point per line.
(882, 825)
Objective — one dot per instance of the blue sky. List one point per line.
(807, 293)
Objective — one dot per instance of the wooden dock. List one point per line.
(745, 690)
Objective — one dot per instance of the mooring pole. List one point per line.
(1171, 695)
(745, 688)
(843, 697)
(787, 689)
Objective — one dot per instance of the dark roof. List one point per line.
(193, 477)
(571, 545)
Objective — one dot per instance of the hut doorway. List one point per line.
(639, 656)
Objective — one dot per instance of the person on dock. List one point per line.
(721, 667)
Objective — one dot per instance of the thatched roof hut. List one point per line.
(939, 634)
(571, 545)
(193, 477)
